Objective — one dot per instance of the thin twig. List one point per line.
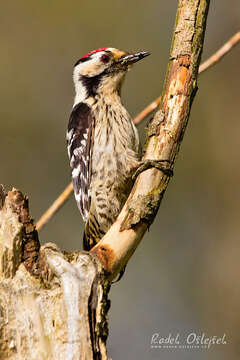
(214, 59)
(147, 111)
(56, 205)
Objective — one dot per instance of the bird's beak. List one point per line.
(132, 58)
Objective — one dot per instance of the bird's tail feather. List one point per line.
(92, 233)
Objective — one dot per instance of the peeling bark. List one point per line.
(52, 305)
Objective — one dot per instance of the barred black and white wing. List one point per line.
(79, 141)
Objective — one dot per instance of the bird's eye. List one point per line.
(105, 58)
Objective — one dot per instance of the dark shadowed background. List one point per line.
(184, 276)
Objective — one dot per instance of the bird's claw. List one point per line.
(162, 165)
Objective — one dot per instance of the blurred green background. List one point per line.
(184, 276)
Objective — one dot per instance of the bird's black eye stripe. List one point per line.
(82, 60)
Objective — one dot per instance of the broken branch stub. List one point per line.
(53, 305)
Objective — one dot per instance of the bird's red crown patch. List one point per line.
(93, 52)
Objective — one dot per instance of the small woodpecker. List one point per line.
(103, 143)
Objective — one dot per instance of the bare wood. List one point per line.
(53, 306)
(214, 59)
(165, 134)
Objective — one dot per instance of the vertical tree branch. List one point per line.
(164, 136)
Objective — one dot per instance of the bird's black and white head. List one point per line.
(102, 72)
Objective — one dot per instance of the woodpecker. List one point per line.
(103, 143)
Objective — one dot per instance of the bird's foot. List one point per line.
(162, 165)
